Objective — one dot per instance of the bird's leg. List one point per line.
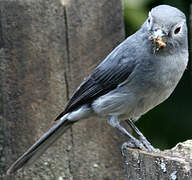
(142, 138)
(113, 121)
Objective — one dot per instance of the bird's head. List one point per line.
(166, 28)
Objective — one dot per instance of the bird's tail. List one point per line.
(40, 146)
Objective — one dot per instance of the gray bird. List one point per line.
(136, 76)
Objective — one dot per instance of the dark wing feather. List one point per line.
(107, 76)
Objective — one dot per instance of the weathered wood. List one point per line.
(34, 87)
(94, 29)
(47, 49)
(174, 164)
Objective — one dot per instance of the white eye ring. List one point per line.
(177, 29)
(149, 20)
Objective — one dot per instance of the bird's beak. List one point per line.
(159, 37)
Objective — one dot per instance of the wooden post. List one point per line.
(174, 164)
(47, 49)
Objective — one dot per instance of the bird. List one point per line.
(139, 74)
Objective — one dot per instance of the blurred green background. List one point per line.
(171, 121)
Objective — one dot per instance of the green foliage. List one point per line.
(135, 13)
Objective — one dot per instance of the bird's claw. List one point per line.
(132, 144)
(149, 147)
(142, 145)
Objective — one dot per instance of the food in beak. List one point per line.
(160, 42)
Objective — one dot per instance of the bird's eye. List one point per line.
(177, 30)
(149, 20)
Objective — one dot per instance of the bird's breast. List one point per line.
(154, 82)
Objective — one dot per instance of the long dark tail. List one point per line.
(37, 149)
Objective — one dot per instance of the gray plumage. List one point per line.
(136, 76)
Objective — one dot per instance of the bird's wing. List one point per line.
(115, 69)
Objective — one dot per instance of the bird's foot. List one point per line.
(133, 144)
(142, 145)
(147, 144)
(125, 145)
(142, 138)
